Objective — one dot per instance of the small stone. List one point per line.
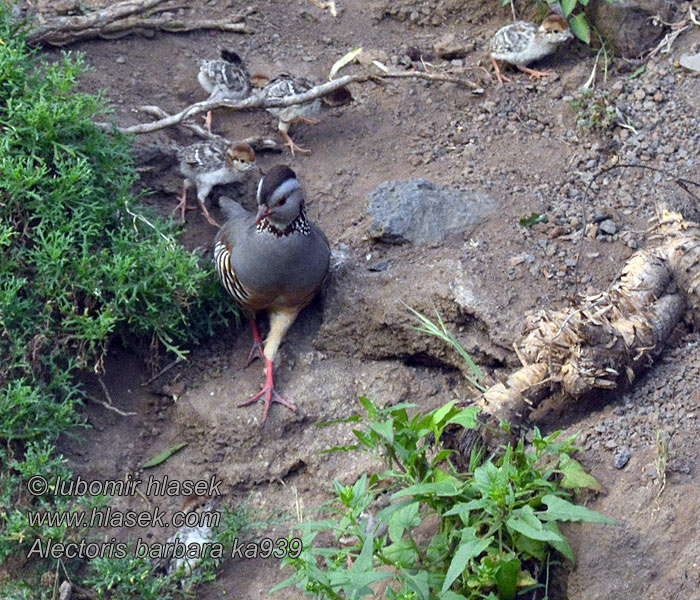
(622, 457)
(611, 444)
(639, 95)
(658, 97)
(120, 60)
(608, 227)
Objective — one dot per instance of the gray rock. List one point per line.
(421, 212)
(608, 226)
(622, 457)
(691, 61)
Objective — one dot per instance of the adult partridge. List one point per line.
(521, 43)
(274, 261)
(206, 164)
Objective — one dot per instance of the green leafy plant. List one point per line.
(533, 219)
(81, 264)
(594, 110)
(442, 534)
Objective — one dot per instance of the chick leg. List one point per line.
(501, 77)
(283, 128)
(182, 205)
(534, 73)
(207, 216)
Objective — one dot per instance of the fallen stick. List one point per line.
(46, 28)
(258, 143)
(257, 102)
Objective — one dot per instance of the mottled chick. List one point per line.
(224, 79)
(283, 86)
(207, 164)
(522, 43)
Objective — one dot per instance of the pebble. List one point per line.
(120, 60)
(608, 226)
(622, 457)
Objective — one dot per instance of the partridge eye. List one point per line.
(282, 200)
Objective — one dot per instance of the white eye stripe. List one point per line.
(257, 195)
(284, 189)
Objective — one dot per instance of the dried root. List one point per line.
(612, 337)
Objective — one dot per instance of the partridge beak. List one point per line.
(263, 211)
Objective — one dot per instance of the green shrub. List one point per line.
(79, 263)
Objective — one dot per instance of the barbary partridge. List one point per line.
(224, 79)
(283, 86)
(521, 43)
(206, 164)
(274, 261)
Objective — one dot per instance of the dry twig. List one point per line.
(257, 102)
(258, 143)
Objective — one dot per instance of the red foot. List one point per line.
(270, 394)
(257, 350)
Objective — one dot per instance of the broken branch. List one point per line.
(612, 337)
(257, 142)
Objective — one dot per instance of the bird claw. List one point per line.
(270, 394)
(535, 74)
(294, 146)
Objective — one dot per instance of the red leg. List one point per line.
(207, 121)
(269, 392)
(257, 350)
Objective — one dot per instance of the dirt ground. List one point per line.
(520, 144)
